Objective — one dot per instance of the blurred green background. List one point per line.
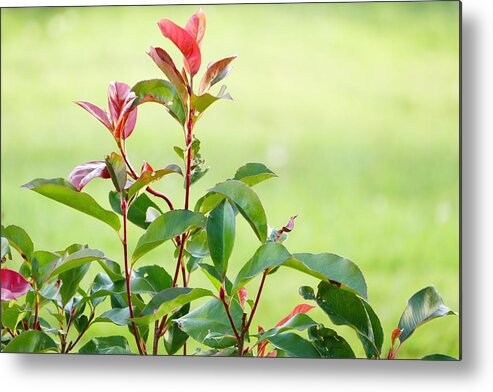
(354, 106)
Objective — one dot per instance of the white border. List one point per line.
(85, 373)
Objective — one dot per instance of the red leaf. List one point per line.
(213, 70)
(395, 334)
(97, 112)
(117, 95)
(262, 344)
(13, 285)
(165, 63)
(302, 308)
(242, 294)
(184, 42)
(85, 172)
(272, 354)
(196, 26)
(146, 167)
(125, 124)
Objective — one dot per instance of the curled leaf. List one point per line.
(13, 285)
(301, 308)
(214, 71)
(85, 172)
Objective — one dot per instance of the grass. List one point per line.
(354, 106)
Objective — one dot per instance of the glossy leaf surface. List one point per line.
(167, 226)
(247, 202)
(221, 229)
(423, 306)
(60, 190)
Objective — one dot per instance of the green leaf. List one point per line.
(137, 210)
(117, 169)
(215, 278)
(202, 102)
(345, 308)
(247, 202)
(197, 173)
(423, 306)
(106, 345)
(221, 228)
(329, 344)
(307, 292)
(207, 202)
(209, 323)
(19, 240)
(167, 300)
(12, 314)
(253, 173)
(268, 256)
(112, 269)
(51, 291)
(373, 348)
(175, 338)
(156, 276)
(438, 357)
(6, 250)
(298, 322)
(162, 92)
(103, 287)
(81, 323)
(77, 259)
(328, 266)
(31, 342)
(148, 177)
(60, 190)
(70, 282)
(294, 345)
(166, 227)
(43, 263)
(197, 245)
(119, 316)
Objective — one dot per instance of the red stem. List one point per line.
(228, 312)
(179, 261)
(257, 300)
(134, 175)
(128, 273)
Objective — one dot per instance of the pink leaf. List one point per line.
(302, 308)
(272, 354)
(196, 26)
(184, 42)
(130, 123)
(97, 112)
(85, 172)
(117, 95)
(128, 117)
(290, 225)
(242, 294)
(13, 285)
